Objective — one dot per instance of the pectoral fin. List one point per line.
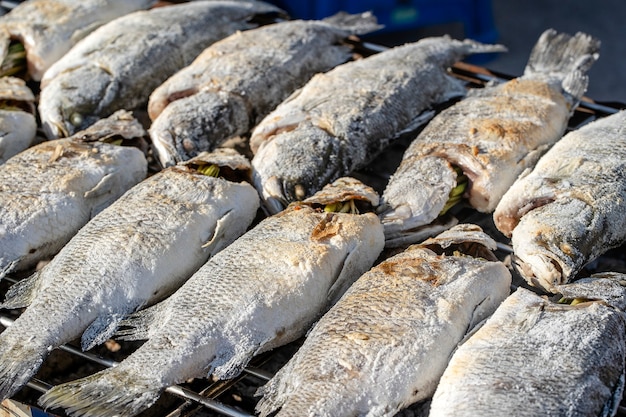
(100, 330)
(22, 293)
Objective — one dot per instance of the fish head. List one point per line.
(295, 164)
(416, 194)
(73, 100)
(197, 123)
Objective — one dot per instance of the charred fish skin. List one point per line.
(134, 253)
(243, 301)
(569, 359)
(115, 67)
(491, 135)
(237, 81)
(386, 342)
(49, 28)
(570, 208)
(18, 125)
(341, 119)
(51, 190)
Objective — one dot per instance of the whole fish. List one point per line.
(571, 207)
(51, 190)
(237, 81)
(386, 342)
(47, 29)
(483, 142)
(262, 291)
(119, 64)
(341, 119)
(18, 126)
(536, 357)
(136, 251)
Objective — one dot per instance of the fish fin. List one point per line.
(7, 267)
(102, 187)
(22, 293)
(100, 330)
(231, 361)
(215, 242)
(357, 24)
(138, 325)
(565, 57)
(18, 364)
(112, 392)
(418, 121)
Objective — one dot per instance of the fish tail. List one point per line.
(105, 394)
(18, 363)
(565, 57)
(356, 24)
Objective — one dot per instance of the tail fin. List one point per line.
(105, 394)
(565, 58)
(356, 24)
(19, 362)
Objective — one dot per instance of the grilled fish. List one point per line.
(535, 357)
(237, 81)
(18, 126)
(341, 119)
(262, 291)
(118, 65)
(386, 342)
(136, 251)
(51, 190)
(571, 207)
(490, 137)
(47, 29)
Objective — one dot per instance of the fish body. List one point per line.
(118, 65)
(49, 28)
(237, 81)
(262, 291)
(535, 357)
(492, 135)
(134, 253)
(342, 118)
(386, 342)
(51, 190)
(571, 207)
(18, 126)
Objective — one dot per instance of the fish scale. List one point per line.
(128, 48)
(52, 189)
(385, 343)
(341, 119)
(243, 301)
(132, 254)
(570, 208)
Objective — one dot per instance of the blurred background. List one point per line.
(515, 23)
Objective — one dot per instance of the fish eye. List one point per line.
(76, 119)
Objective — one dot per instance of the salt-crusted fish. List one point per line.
(47, 29)
(536, 357)
(51, 190)
(477, 147)
(119, 64)
(18, 126)
(341, 119)
(136, 251)
(571, 207)
(237, 81)
(386, 342)
(262, 291)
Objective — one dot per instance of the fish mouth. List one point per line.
(272, 193)
(54, 129)
(163, 142)
(539, 270)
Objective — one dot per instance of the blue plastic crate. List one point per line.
(476, 16)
